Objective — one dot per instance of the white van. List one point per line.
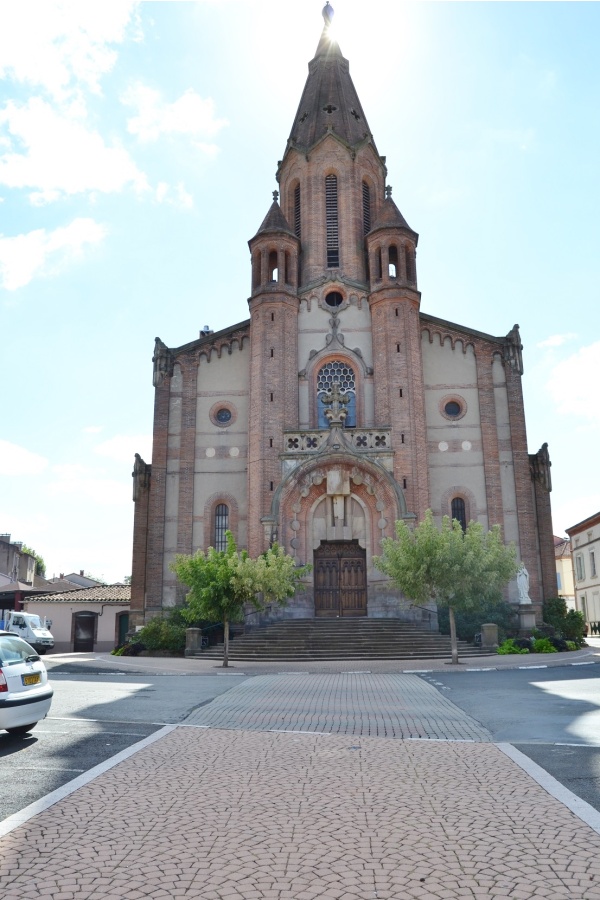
(31, 628)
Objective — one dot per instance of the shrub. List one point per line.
(559, 644)
(555, 610)
(510, 646)
(161, 633)
(469, 622)
(571, 645)
(523, 643)
(573, 628)
(543, 645)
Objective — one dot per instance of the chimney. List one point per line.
(62, 575)
(81, 572)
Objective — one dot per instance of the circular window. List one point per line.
(452, 409)
(334, 299)
(223, 413)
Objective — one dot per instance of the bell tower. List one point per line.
(273, 401)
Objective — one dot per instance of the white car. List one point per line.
(25, 695)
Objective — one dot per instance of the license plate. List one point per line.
(31, 679)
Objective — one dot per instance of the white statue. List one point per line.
(523, 584)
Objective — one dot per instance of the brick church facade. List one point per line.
(339, 406)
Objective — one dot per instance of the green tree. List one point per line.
(568, 624)
(222, 582)
(458, 570)
(40, 565)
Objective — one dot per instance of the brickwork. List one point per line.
(399, 388)
(546, 537)
(140, 554)
(273, 402)
(351, 166)
(189, 371)
(489, 433)
(156, 506)
(528, 535)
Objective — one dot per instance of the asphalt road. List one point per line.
(551, 715)
(92, 718)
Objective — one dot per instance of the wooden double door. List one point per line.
(340, 579)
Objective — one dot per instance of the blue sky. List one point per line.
(138, 147)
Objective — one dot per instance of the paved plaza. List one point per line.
(301, 787)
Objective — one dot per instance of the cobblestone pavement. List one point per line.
(302, 787)
(239, 815)
(399, 706)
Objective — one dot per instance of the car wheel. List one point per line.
(41, 651)
(21, 729)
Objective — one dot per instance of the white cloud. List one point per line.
(123, 447)
(43, 253)
(574, 384)
(92, 429)
(177, 196)
(556, 340)
(15, 460)
(190, 115)
(60, 45)
(55, 153)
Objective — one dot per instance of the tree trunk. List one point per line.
(453, 642)
(225, 643)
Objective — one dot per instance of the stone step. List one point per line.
(341, 639)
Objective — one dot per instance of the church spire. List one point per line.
(329, 102)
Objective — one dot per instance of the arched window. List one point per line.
(331, 220)
(366, 198)
(393, 261)
(336, 371)
(221, 524)
(459, 512)
(273, 273)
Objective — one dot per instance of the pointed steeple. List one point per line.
(274, 222)
(391, 217)
(329, 101)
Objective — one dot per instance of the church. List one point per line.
(339, 406)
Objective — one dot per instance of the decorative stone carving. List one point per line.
(163, 363)
(141, 477)
(513, 350)
(539, 466)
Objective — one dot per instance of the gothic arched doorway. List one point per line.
(340, 579)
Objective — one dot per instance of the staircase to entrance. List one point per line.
(331, 639)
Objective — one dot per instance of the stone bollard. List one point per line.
(489, 637)
(193, 641)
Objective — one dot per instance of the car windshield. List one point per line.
(13, 650)
(35, 622)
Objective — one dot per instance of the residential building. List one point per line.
(85, 619)
(16, 563)
(564, 571)
(585, 552)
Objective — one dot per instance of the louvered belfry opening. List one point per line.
(366, 197)
(331, 217)
(297, 220)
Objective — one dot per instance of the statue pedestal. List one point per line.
(526, 617)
